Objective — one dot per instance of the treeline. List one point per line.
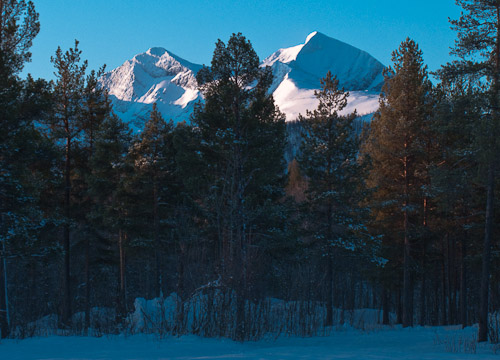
(399, 217)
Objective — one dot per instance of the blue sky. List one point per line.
(113, 31)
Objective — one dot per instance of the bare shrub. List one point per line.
(458, 343)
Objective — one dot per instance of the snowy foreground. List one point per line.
(380, 344)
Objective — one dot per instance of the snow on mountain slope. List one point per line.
(170, 81)
(298, 71)
(356, 69)
(154, 76)
(294, 101)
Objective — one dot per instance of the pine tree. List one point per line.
(96, 109)
(454, 175)
(66, 124)
(478, 50)
(111, 143)
(18, 27)
(328, 158)
(242, 141)
(397, 146)
(154, 168)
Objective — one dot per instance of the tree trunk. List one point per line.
(449, 286)
(87, 283)
(423, 310)
(66, 307)
(407, 301)
(4, 303)
(435, 314)
(122, 295)
(463, 283)
(399, 309)
(485, 275)
(180, 289)
(385, 307)
(240, 316)
(329, 291)
(87, 244)
(329, 274)
(444, 318)
(156, 229)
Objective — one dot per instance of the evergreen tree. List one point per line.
(328, 159)
(96, 108)
(190, 228)
(242, 141)
(478, 50)
(111, 143)
(153, 157)
(454, 178)
(66, 125)
(18, 27)
(397, 147)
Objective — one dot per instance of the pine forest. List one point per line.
(237, 222)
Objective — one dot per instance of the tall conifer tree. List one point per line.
(328, 158)
(111, 144)
(96, 108)
(397, 147)
(243, 137)
(66, 126)
(153, 158)
(458, 108)
(19, 25)
(478, 49)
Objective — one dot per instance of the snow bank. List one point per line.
(102, 321)
(153, 315)
(213, 314)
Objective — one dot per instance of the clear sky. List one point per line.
(113, 31)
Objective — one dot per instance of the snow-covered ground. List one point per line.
(344, 343)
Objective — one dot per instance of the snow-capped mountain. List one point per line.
(298, 71)
(307, 63)
(154, 76)
(162, 77)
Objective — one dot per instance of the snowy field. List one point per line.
(383, 343)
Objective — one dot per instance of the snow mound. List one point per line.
(212, 312)
(154, 314)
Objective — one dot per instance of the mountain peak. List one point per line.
(157, 51)
(287, 55)
(311, 35)
(159, 59)
(307, 63)
(155, 76)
